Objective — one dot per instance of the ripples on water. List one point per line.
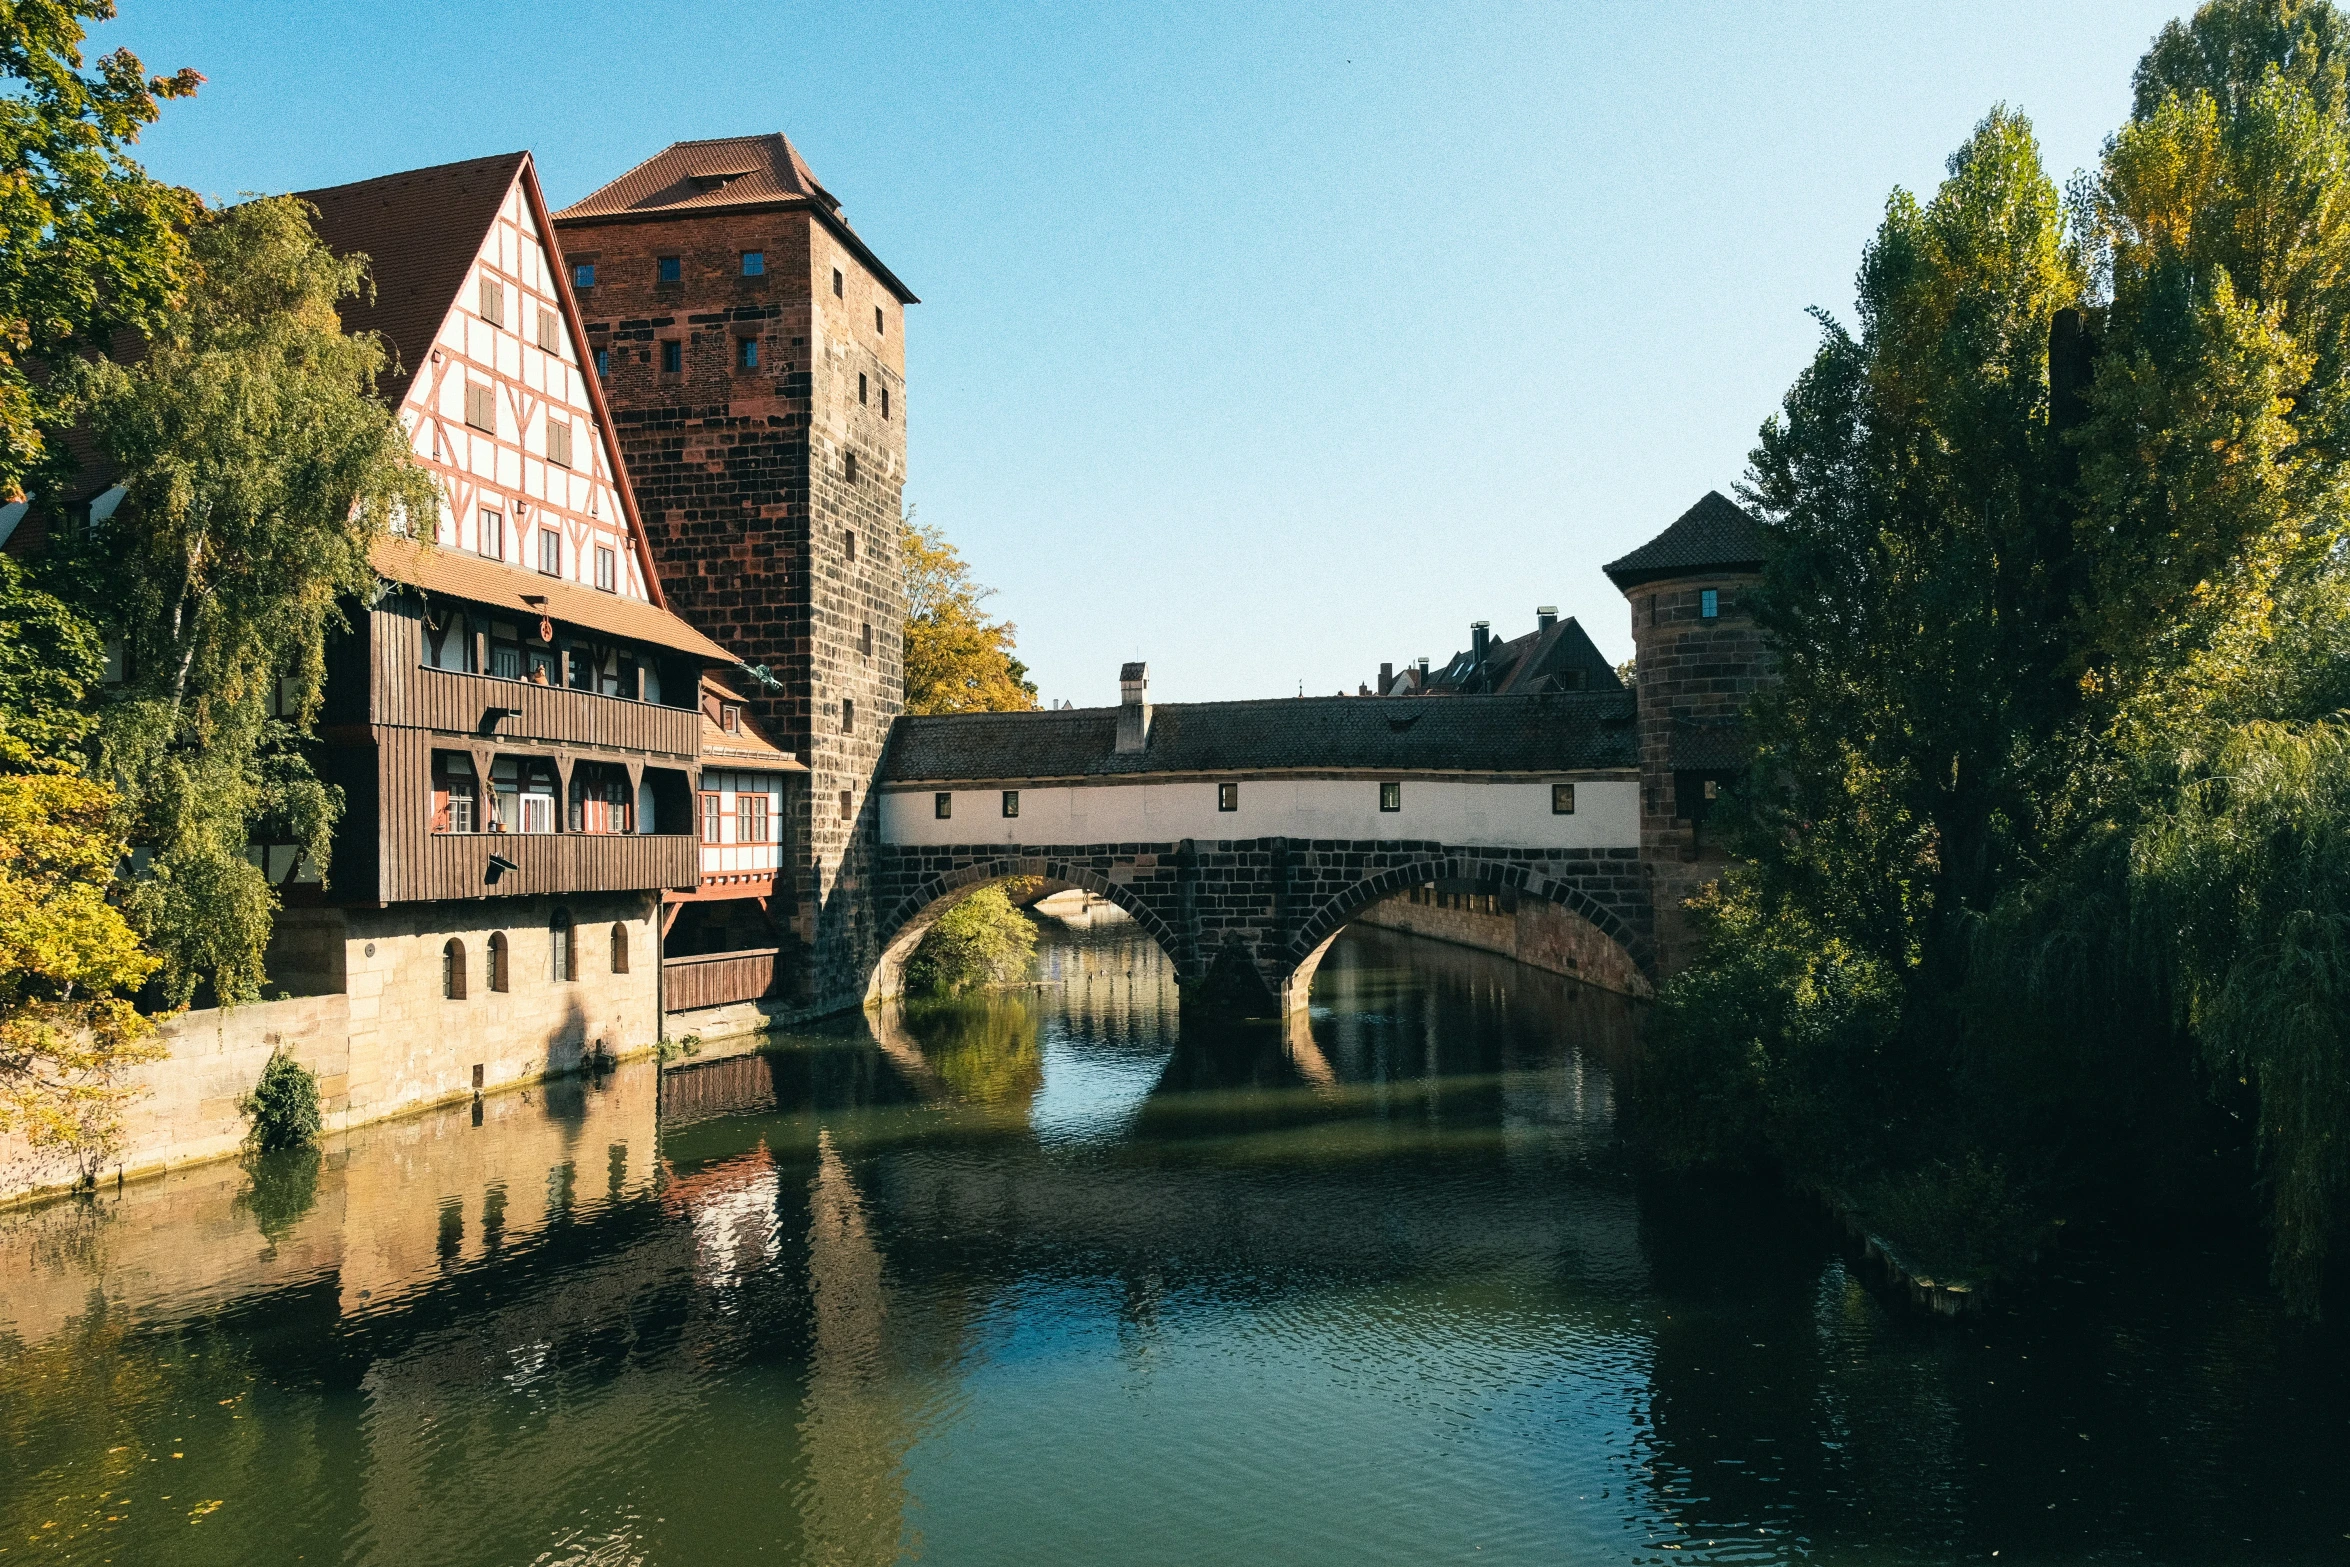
(1046, 1278)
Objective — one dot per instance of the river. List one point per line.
(1045, 1278)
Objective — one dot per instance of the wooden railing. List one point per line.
(451, 701)
(457, 865)
(715, 978)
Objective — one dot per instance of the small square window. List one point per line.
(1391, 797)
(1562, 799)
(607, 569)
(885, 402)
(583, 275)
(1011, 802)
(1227, 797)
(603, 364)
(550, 552)
(861, 387)
(836, 283)
(1709, 604)
(942, 805)
(746, 353)
(848, 804)
(754, 263)
(672, 356)
(670, 269)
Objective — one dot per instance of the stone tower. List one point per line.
(752, 351)
(1699, 657)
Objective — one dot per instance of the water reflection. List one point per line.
(1051, 1277)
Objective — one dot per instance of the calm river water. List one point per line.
(1043, 1279)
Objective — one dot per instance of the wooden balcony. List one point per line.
(717, 978)
(457, 865)
(455, 703)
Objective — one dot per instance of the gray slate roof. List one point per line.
(1552, 733)
(1716, 534)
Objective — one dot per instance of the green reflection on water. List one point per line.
(1050, 1277)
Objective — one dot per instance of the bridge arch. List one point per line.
(1320, 928)
(910, 919)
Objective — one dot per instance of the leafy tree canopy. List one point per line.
(957, 660)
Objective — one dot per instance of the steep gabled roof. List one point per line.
(1503, 734)
(1716, 534)
(420, 232)
(729, 173)
(460, 574)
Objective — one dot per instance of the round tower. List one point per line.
(1698, 658)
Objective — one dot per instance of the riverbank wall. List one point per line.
(1532, 931)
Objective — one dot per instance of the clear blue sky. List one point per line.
(1264, 342)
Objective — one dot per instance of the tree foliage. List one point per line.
(982, 941)
(260, 468)
(957, 660)
(89, 245)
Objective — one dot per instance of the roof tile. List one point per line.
(1716, 534)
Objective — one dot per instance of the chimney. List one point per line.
(1546, 616)
(1386, 678)
(1134, 713)
(1480, 639)
(1423, 685)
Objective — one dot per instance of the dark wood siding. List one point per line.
(716, 978)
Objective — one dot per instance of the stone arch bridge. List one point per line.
(1243, 836)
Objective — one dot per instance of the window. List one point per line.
(849, 467)
(746, 353)
(1391, 797)
(603, 364)
(550, 552)
(583, 275)
(848, 804)
(600, 798)
(942, 805)
(877, 327)
(672, 356)
(454, 800)
(754, 263)
(669, 269)
(885, 402)
(848, 715)
(499, 969)
(1227, 797)
(1011, 802)
(493, 301)
(1709, 604)
(849, 539)
(865, 640)
(750, 818)
(607, 569)
(730, 718)
(619, 948)
(713, 817)
(836, 283)
(492, 542)
(481, 406)
(559, 441)
(561, 965)
(550, 328)
(453, 970)
(1562, 799)
(860, 386)
(522, 795)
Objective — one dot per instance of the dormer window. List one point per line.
(730, 717)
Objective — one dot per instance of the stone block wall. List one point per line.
(1533, 931)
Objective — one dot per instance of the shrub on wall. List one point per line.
(283, 1106)
(981, 941)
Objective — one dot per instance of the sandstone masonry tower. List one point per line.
(1699, 657)
(752, 351)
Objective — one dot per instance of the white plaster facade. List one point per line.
(1510, 813)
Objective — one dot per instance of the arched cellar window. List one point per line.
(619, 948)
(453, 970)
(498, 969)
(559, 947)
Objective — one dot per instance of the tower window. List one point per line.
(849, 539)
(1391, 797)
(836, 283)
(849, 466)
(584, 275)
(942, 805)
(603, 364)
(848, 804)
(672, 356)
(1709, 604)
(885, 402)
(860, 386)
(877, 326)
(865, 640)
(754, 263)
(670, 269)
(607, 569)
(746, 353)
(848, 715)
(1562, 799)
(1227, 797)
(1011, 802)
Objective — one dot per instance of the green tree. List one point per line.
(982, 941)
(260, 467)
(957, 660)
(89, 245)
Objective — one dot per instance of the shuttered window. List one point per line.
(550, 331)
(493, 301)
(559, 441)
(481, 406)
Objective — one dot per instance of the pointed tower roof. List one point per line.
(420, 232)
(1716, 534)
(727, 174)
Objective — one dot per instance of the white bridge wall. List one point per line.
(1502, 814)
